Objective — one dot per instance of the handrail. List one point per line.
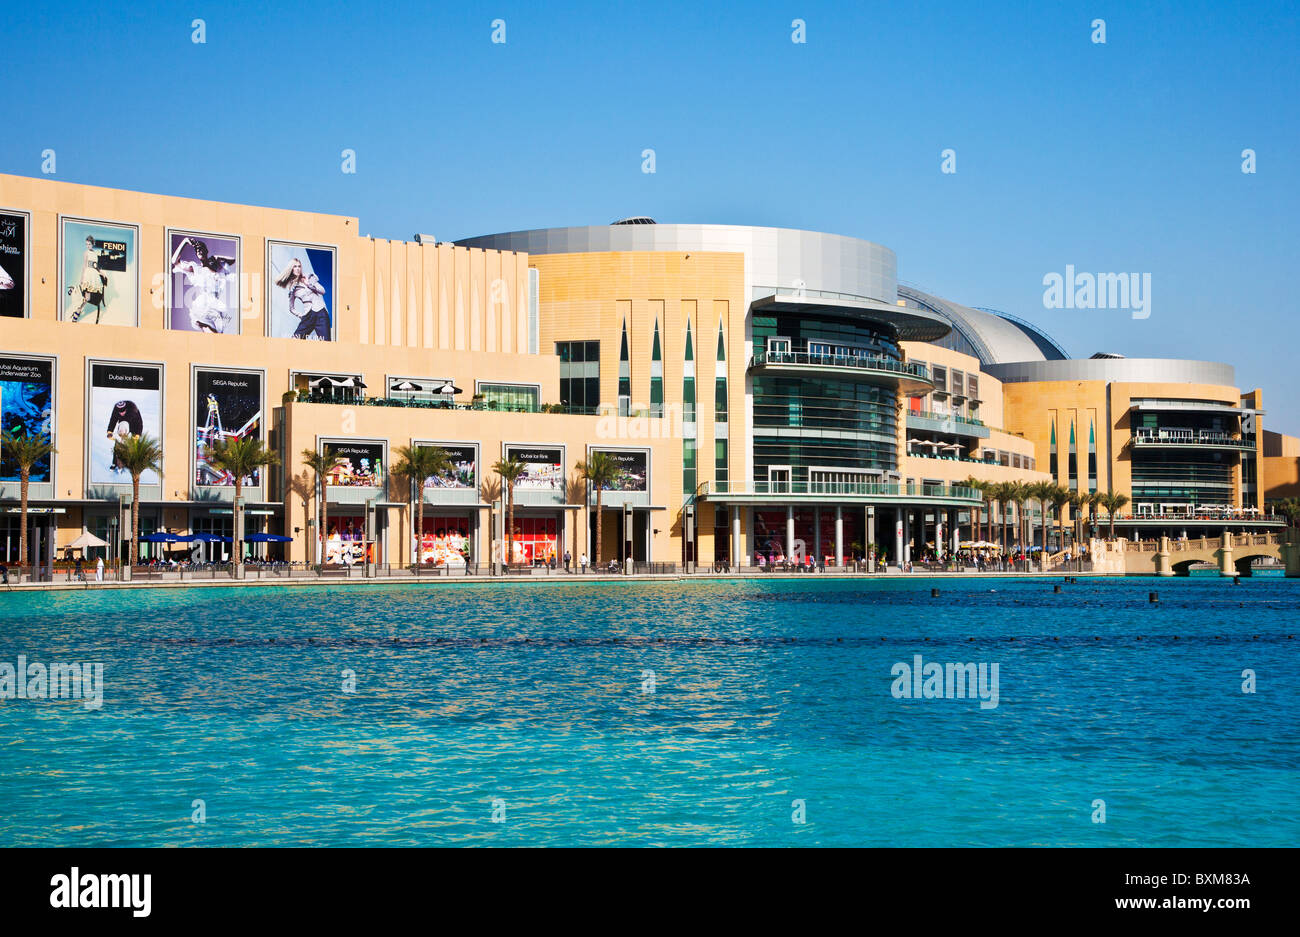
(801, 487)
(864, 362)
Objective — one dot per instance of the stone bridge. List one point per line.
(1231, 553)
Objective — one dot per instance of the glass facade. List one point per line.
(579, 374)
(810, 425)
(526, 397)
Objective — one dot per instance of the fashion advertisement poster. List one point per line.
(445, 542)
(633, 469)
(26, 408)
(463, 473)
(100, 271)
(543, 467)
(124, 400)
(356, 465)
(13, 265)
(227, 405)
(300, 285)
(203, 290)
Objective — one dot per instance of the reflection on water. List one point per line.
(764, 693)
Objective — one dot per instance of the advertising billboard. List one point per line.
(543, 467)
(632, 469)
(300, 282)
(100, 272)
(26, 408)
(227, 405)
(356, 465)
(125, 399)
(13, 264)
(203, 283)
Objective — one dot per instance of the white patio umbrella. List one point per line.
(87, 540)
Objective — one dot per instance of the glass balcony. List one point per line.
(862, 490)
(1190, 439)
(904, 377)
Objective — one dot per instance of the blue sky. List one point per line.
(1115, 157)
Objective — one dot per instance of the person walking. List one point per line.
(583, 563)
(568, 559)
(99, 569)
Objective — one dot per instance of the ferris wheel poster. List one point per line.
(227, 405)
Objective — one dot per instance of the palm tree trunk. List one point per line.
(135, 519)
(237, 525)
(599, 527)
(320, 521)
(24, 478)
(510, 524)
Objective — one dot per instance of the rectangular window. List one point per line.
(940, 375)
(720, 400)
(688, 400)
(720, 463)
(579, 375)
(688, 466)
(518, 397)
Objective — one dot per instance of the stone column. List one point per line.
(1226, 565)
(839, 535)
(1163, 566)
(898, 537)
(789, 531)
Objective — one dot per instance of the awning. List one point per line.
(267, 538)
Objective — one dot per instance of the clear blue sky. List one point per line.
(1115, 157)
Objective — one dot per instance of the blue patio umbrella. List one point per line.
(267, 538)
(160, 536)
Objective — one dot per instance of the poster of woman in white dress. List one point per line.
(100, 272)
(203, 294)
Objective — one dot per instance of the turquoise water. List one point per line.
(765, 693)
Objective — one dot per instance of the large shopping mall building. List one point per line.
(756, 387)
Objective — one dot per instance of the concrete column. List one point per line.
(954, 526)
(938, 533)
(898, 537)
(839, 535)
(909, 524)
(737, 558)
(869, 544)
(789, 531)
(1226, 565)
(1163, 566)
(817, 534)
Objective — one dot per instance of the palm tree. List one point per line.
(599, 471)
(320, 465)
(1112, 501)
(1042, 493)
(509, 470)
(137, 454)
(417, 464)
(243, 458)
(1001, 493)
(26, 451)
(977, 520)
(1019, 494)
(1060, 498)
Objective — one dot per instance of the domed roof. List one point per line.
(992, 336)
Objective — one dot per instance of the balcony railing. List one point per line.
(863, 488)
(1187, 437)
(417, 404)
(862, 362)
(945, 417)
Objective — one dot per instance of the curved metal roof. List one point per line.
(994, 337)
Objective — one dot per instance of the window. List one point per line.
(523, 397)
(720, 463)
(579, 374)
(940, 375)
(624, 376)
(656, 375)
